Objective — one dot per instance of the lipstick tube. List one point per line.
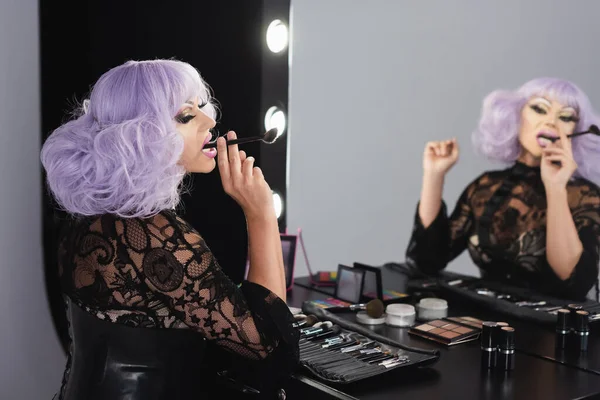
(581, 330)
(488, 344)
(562, 327)
(506, 349)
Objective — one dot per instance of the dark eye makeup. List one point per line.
(186, 118)
(564, 118)
(538, 109)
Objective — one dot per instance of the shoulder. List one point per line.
(163, 226)
(582, 184)
(582, 192)
(485, 180)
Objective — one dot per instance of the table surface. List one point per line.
(541, 372)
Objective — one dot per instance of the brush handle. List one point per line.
(572, 135)
(236, 141)
(579, 134)
(323, 314)
(353, 307)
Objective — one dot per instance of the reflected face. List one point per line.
(545, 116)
(194, 125)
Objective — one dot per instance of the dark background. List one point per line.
(224, 40)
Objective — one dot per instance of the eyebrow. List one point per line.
(543, 100)
(186, 105)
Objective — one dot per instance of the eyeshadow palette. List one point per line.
(469, 321)
(329, 302)
(449, 331)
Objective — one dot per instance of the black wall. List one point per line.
(80, 40)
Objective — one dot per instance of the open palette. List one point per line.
(449, 331)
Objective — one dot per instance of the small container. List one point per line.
(400, 315)
(431, 308)
(363, 318)
(506, 349)
(581, 330)
(489, 344)
(562, 327)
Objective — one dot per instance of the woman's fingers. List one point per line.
(223, 162)
(247, 168)
(235, 165)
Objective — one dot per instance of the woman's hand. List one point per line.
(557, 164)
(439, 157)
(243, 181)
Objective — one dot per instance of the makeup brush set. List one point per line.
(339, 350)
(337, 354)
(514, 301)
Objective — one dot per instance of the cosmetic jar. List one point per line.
(400, 315)
(489, 344)
(506, 349)
(429, 309)
(562, 327)
(363, 318)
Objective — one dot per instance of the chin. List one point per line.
(206, 167)
(534, 149)
(536, 152)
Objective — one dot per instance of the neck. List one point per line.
(529, 159)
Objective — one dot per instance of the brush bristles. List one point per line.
(270, 136)
(311, 320)
(594, 129)
(375, 308)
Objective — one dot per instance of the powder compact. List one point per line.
(449, 331)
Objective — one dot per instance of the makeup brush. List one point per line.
(374, 308)
(268, 137)
(593, 129)
(309, 321)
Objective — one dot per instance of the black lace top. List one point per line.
(159, 273)
(501, 219)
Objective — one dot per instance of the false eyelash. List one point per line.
(537, 109)
(570, 119)
(184, 119)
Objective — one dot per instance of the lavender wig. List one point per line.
(497, 135)
(120, 154)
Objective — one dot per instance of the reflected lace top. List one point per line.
(501, 219)
(159, 273)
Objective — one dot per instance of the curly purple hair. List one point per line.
(497, 135)
(120, 155)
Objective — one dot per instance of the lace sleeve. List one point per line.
(178, 267)
(585, 209)
(432, 248)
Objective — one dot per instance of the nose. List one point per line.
(206, 121)
(551, 121)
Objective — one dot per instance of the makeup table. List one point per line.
(540, 372)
